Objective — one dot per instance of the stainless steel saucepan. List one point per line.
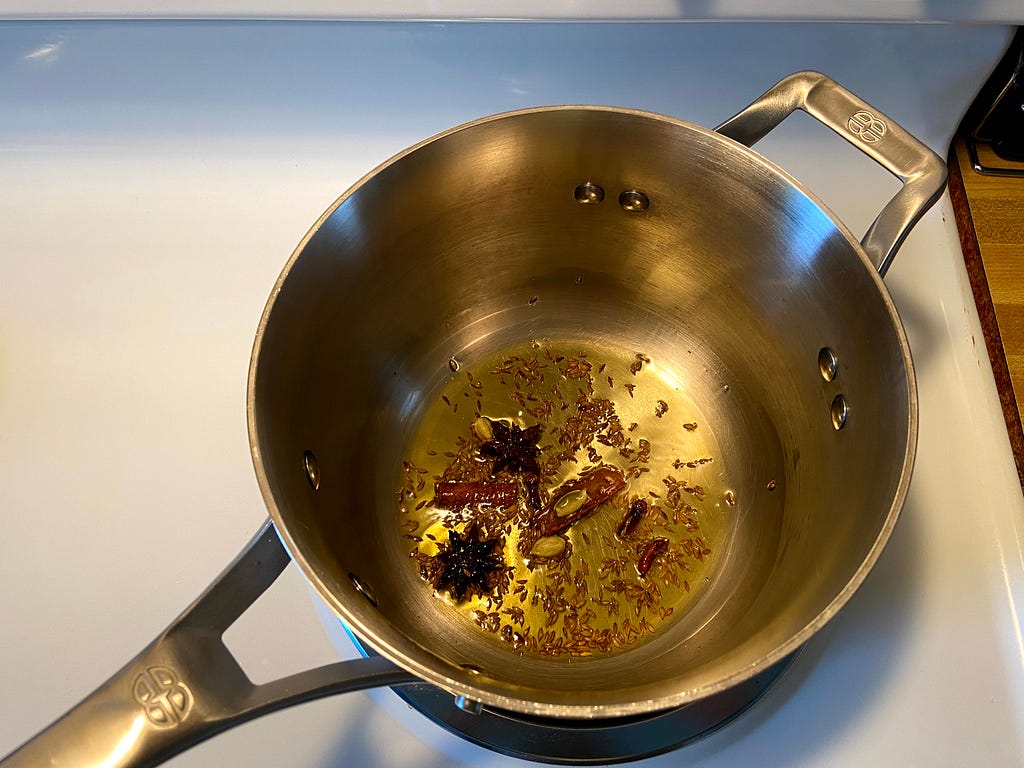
(612, 226)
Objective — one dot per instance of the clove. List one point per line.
(632, 518)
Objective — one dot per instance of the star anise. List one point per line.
(468, 563)
(513, 448)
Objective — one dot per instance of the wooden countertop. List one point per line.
(990, 218)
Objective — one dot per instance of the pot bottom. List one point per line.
(588, 742)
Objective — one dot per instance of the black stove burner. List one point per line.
(589, 742)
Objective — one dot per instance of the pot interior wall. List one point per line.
(732, 278)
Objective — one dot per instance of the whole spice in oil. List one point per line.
(483, 428)
(549, 546)
(649, 554)
(468, 563)
(512, 448)
(632, 518)
(455, 494)
(578, 498)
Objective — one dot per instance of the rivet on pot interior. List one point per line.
(588, 194)
(840, 412)
(312, 467)
(828, 364)
(634, 201)
(363, 588)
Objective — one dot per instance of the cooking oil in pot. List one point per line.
(565, 497)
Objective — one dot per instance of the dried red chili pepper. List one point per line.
(650, 552)
(632, 518)
(455, 494)
(578, 498)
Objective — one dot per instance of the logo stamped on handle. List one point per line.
(866, 127)
(164, 699)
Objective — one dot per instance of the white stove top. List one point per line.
(156, 177)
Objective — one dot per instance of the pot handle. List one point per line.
(186, 686)
(922, 171)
